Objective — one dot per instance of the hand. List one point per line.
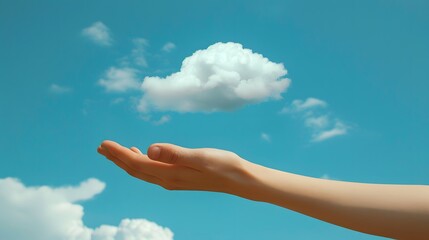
(178, 168)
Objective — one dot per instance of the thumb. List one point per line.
(172, 154)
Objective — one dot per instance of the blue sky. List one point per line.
(365, 62)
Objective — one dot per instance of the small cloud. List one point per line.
(223, 77)
(48, 213)
(338, 130)
(124, 77)
(58, 89)
(138, 55)
(317, 122)
(168, 47)
(162, 120)
(148, 118)
(265, 137)
(139, 52)
(321, 124)
(120, 79)
(98, 33)
(300, 105)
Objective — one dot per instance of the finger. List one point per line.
(136, 161)
(118, 150)
(130, 171)
(139, 175)
(172, 154)
(136, 150)
(114, 159)
(104, 152)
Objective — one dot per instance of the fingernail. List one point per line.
(154, 152)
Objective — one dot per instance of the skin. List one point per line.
(394, 211)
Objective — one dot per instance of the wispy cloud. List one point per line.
(168, 47)
(47, 213)
(58, 89)
(265, 137)
(338, 130)
(300, 105)
(138, 55)
(139, 52)
(120, 79)
(317, 122)
(126, 76)
(162, 120)
(223, 77)
(313, 112)
(98, 33)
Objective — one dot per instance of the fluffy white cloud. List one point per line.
(85, 191)
(58, 89)
(120, 79)
(98, 33)
(321, 124)
(46, 213)
(168, 47)
(223, 77)
(132, 229)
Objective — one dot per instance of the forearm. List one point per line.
(396, 211)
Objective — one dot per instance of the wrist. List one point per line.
(245, 182)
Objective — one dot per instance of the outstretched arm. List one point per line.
(395, 211)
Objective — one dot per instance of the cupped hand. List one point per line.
(178, 168)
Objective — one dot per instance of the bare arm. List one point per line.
(395, 211)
